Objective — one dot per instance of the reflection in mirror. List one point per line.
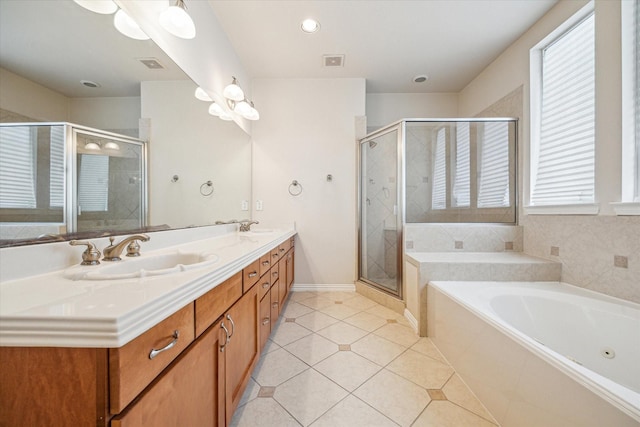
(41, 82)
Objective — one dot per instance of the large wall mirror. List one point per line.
(62, 63)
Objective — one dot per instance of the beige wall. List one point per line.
(587, 244)
(306, 131)
(386, 108)
(187, 141)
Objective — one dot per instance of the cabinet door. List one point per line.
(241, 353)
(188, 393)
(265, 320)
(284, 290)
(290, 260)
(275, 303)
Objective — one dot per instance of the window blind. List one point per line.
(93, 183)
(493, 182)
(439, 193)
(17, 168)
(462, 180)
(56, 167)
(563, 170)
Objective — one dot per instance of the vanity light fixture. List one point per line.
(310, 26)
(127, 26)
(94, 146)
(111, 146)
(216, 110)
(104, 7)
(233, 91)
(202, 95)
(253, 114)
(226, 117)
(177, 21)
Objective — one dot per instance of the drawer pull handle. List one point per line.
(274, 256)
(226, 341)
(265, 285)
(265, 321)
(275, 273)
(265, 262)
(254, 274)
(155, 352)
(233, 325)
(282, 250)
(275, 304)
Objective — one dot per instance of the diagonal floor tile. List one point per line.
(384, 312)
(366, 321)
(421, 369)
(277, 367)
(342, 333)
(317, 302)
(300, 295)
(426, 347)
(353, 412)
(339, 311)
(361, 303)
(442, 413)
(268, 411)
(458, 392)
(316, 320)
(393, 396)
(312, 349)
(288, 332)
(308, 396)
(398, 333)
(339, 295)
(347, 369)
(377, 349)
(250, 393)
(293, 309)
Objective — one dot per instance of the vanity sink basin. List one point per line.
(155, 265)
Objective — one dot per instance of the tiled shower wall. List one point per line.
(601, 253)
(462, 238)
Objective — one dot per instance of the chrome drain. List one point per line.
(608, 353)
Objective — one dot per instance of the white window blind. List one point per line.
(563, 169)
(17, 168)
(56, 167)
(493, 181)
(93, 183)
(439, 193)
(462, 180)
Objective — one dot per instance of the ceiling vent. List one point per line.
(333, 60)
(151, 63)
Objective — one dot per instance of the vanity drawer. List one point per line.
(275, 272)
(133, 366)
(284, 247)
(275, 256)
(214, 303)
(251, 274)
(265, 263)
(264, 284)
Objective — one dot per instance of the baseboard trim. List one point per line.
(412, 320)
(315, 287)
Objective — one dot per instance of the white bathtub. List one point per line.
(541, 353)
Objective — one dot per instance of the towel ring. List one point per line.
(293, 186)
(204, 191)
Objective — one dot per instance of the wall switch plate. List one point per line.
(244, 205)
(259, 205)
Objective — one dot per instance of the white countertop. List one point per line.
(51, 310)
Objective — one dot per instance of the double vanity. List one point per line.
(167, 338)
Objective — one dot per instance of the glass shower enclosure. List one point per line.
(430, 171)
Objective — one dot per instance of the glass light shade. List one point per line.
(177, 21)
(91, 146)
(202, 95)
(233, 91)
(216, 110)
(243, 108)
(226, 117)
(127, 26)
(252, 115)
(111, 146)
(105, 7)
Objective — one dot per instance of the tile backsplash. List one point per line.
(601, 253)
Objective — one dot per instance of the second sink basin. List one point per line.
(154, 265)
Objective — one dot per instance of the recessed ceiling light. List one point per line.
(89, 83)
(421, 78)
(310, 25)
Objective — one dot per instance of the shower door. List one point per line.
(380, 215)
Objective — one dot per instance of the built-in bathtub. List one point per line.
(541, 353)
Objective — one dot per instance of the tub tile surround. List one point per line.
(466, 252)
(587, 248)
(368, 369)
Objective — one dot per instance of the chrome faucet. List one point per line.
(245, 224)
(113, 252)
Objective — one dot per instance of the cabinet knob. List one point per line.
(265, 321)
(265, 262)
(253, 274)
(265, 285)
(275, 304)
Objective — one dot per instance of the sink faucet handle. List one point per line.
(91, 255)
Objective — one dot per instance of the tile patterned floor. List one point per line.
(339, 359)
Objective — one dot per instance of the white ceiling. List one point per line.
(388, 42)
(57, 43)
